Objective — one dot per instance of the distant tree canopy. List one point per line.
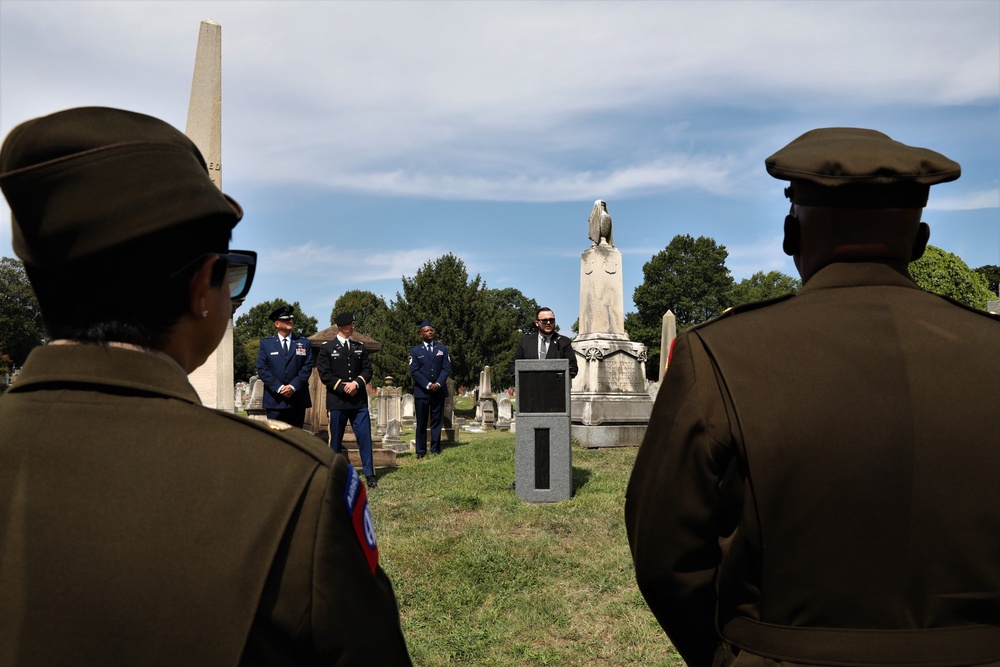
(21, 326)
(688, 277)
(945, 273)
(480, 326)
(761, 286)
(255, 324)
(992, 274)
(369, 309)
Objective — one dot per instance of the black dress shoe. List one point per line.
(371, 482)
(420, 456)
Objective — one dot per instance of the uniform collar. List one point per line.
(860, 274)
(110, 365)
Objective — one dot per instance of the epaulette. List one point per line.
(977, 311)
(277, 425)
(743, 308)
(286, 432)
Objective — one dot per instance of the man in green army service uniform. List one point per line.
(818, 484)
(138, 527)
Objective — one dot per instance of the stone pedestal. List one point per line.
(610, 405)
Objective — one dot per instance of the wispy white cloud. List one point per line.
(967, 202)
(345, 265)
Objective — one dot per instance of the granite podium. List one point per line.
(543, 454)
(611, 407)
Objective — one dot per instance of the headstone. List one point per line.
(486, 412)
(394, 432)
(610, 405)
(406, 409)
(543, 454)
(668, 332)
(389, 400)
(504, 414)
(213, 380)
(255, 409)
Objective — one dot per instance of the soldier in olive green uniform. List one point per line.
(818, 483)
(138, 527)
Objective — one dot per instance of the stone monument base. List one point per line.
(611, 407)
(596, 437)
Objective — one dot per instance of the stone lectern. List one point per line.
(543, 458)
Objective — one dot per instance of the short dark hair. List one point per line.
(133, 293)
(541, 310)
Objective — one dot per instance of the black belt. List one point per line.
(934, 647)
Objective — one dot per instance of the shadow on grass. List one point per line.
(580, 478)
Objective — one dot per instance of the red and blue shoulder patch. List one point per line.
(356, 502)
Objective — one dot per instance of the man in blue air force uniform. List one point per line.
(430, 367)
(346, 370)
(284, 364)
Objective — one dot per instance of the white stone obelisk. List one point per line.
(214, 379)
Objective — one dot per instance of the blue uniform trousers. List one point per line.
(362, 426)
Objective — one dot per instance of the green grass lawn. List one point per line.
(483, 578)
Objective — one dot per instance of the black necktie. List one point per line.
(284, 344)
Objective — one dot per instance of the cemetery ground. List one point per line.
(483, 578)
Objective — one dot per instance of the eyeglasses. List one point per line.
(240, 268)
(237, 268)
(548, 320)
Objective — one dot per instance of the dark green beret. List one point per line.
(86, 180)
(282, 313)
(846, 167)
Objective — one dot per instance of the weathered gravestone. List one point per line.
(505, 412)
(486, 413)
(610, 405)
(255, 408)
(406, 409)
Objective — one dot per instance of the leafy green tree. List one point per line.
(992, 274)
(688, 277)
(371, 318)
(255, 324)
(21, 326)
(370, 310)
(761, 286)
(504, 316)
(479, 325)
(945, 273)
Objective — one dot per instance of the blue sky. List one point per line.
(366, 138)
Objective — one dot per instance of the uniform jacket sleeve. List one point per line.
(673, 509)
(264, 350)
(323, 592)
(325, 368)
(565, 347)
(366, 367)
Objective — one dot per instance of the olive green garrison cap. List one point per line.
(845, 167)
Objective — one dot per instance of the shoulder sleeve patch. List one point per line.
(356, 503)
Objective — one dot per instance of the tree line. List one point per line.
(689, 277)
(481, 325)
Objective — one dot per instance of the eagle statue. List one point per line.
(599, 224)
